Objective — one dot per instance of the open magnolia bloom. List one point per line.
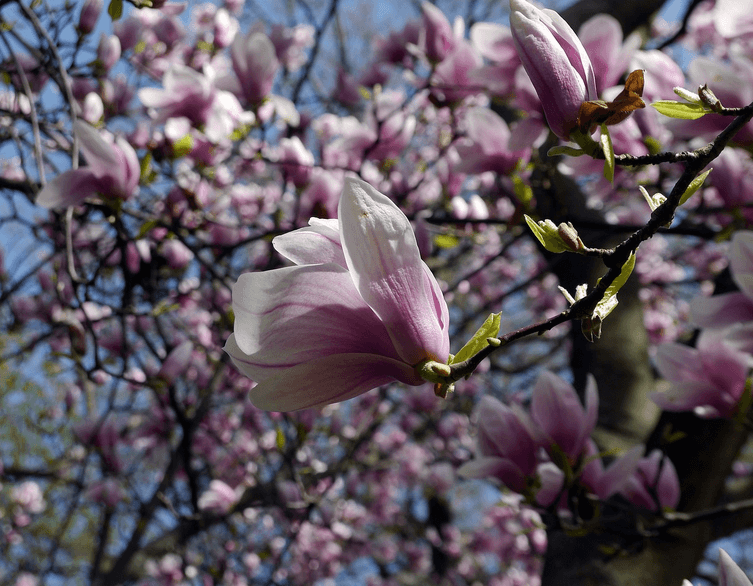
(360, 309)
(112, 171)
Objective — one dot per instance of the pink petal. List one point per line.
(315, 244)
(741, 261)
(721, 310)
(730, 573)
(129, 170)
(552, 480)
(68, 189)
(591, 413)
(619, 472)
(327, 380)
(601, 36)
(292, 315)
(385, 264)
(677, 362)
(700, 396)
(493, 41)
(505, 432)
(494, 467)
(176, 362)
(556, 408)
(488, 130)
(100, 155)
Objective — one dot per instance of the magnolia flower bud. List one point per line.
(556, 62)
(90, 12)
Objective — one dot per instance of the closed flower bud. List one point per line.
(90, 12)
(556, 62)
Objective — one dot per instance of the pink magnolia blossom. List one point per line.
(556, 409)
(437, 38)
(191, 94)
(92, 109)
(29, 497)
(731, 308)
(177, 254)
(225, 28)
(255, 64)
(295, 159)
(732, 19)
(730, 573)
(26, 579)
(486, 147)
(176, 363)
(552, 480)
(454, 78)
(708, 380)
(556, 62)
(601, 36)
(291, 44)
(322, 194)
(506, 445)
(346, 89)
(360, 309)
(733, 178)
(219, 498)
(395, 48)
(604, 482)
(108, 51)
(495, 43)
(113, 171)
(90, 12)
(654, 476)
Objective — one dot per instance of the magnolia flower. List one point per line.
(29, 497)
(360, 309)
(193, 95)
(556, 409)
(655, 476)
(730, 573)
(486, 147)
(604, 482)
(506, 447)
(255, 64)
(219, 498)
(708, 379)
(556, 62)
(730, 308)
(601, 36)
(113, 171)
(437, 37)
(90, 12)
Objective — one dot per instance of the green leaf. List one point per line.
(489, 329)
(694, 186)
(608, 149)
(446, 241)
(546, 233)
(280, 439)
(609, 301)
(115, 9)
(522, 190)
(145, 165)
(146, 227)
(182, 146)
(680, 110)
